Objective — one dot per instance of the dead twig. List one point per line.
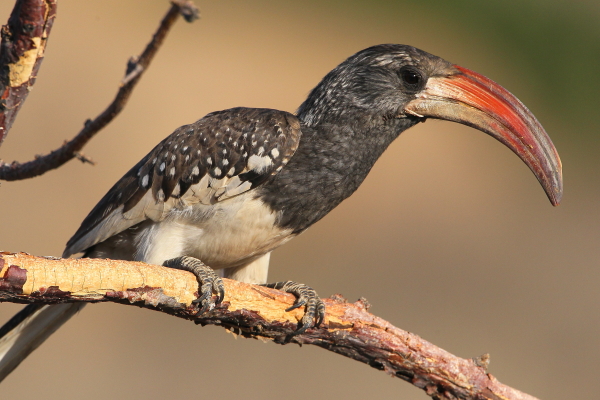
(135, 69)
(254, 312)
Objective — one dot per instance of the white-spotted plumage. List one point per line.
(197, 203)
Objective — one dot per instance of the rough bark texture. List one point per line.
(256, 312)
(135, 69)
(21, 54)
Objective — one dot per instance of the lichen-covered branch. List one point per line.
(22, 48)
(254, 312)
(135, 69)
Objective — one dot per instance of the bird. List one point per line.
(217, 196)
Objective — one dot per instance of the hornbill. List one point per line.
(223, 192)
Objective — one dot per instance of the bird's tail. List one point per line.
(28, 329)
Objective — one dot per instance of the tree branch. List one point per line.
(253, 312)
(22, 48)
(135, 68)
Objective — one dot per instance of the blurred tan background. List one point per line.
(461, 247)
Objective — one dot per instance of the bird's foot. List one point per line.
(208, 280)
(306, 296)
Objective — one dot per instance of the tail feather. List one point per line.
(28, 329)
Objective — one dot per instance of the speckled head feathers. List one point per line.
(370, 82)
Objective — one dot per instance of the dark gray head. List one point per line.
(377, 81)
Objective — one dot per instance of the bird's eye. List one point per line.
(411, 77)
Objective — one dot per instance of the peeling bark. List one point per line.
(254, 312)
(24, 40)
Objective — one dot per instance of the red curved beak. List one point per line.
(474, 100)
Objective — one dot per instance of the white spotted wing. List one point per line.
(222, 155)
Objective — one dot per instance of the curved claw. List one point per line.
(305, 325)
(314, 318)
(205, 291)
(301, 301)
(220, 289)
(320, 313)
(306, 296)
(207, 278)
(205, 307)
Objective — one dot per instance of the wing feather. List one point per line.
(220, 156)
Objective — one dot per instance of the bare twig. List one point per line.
(254, 312)
(135, 69)
(84, 159)
(24, 40)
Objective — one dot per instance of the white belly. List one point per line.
(228, 234)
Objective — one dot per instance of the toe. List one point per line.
(208, 281)
(314, 313)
